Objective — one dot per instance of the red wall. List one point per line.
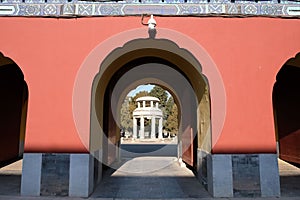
(247, 51)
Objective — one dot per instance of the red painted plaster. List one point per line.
(248, 52)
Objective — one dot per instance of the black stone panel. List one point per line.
(55, 175)
(202, 167)
(246, 178)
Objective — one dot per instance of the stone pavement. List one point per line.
(150, 177)
(147, 178)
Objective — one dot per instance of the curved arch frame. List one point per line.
(90, 67)
(168, 51)
(164, 76)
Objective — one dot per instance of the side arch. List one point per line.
(13, 106)
(286, 98)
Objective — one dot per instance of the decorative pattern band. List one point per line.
(63, 8)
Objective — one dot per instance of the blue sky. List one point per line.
(139, 89)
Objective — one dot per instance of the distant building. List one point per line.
(147, 107)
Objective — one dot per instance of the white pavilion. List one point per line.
(147, 108)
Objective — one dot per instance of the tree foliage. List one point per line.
(172, 121)
(140, 94)
(126, 114)
(162, 95)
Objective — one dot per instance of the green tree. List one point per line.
(169, 106)
(126, 115)
(140, 94)
(159, 93)
(172, 121)
(162, 95)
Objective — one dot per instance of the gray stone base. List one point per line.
(239, 175)
(31, 174)
(57, 174)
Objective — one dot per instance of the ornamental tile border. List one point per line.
(68, 9)
(216, 8)
(51, 9)
(63, 8)
(185, 9)
(233, 9)
(250, 9)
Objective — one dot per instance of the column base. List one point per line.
(49, 174)
(239, 175)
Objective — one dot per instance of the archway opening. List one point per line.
(286, 98)
(163, 74)
(155, 73)
(159, 62)
(13, 113)
(13, 106)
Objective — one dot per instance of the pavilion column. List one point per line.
(134, 128)
(160, 128)
(153, 127)
(142, 131)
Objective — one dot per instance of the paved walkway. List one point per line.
(289, 179)
(147, 178)
(150, 177)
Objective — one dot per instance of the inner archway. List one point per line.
(167, 78)
(150, 136)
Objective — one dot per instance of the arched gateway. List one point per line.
(152, 61)
(145, 61)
